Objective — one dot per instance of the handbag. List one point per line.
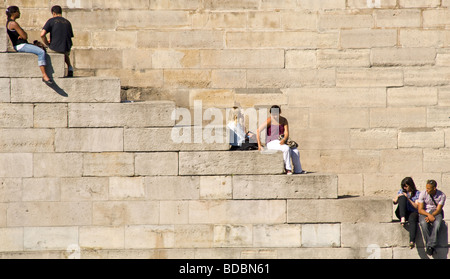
(289, 142)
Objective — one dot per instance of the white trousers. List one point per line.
(288, 155)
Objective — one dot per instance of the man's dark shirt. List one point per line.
(61, 34)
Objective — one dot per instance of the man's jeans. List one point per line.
(430, 230)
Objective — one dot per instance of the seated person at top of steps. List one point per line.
(19, 41)
(431, 215)
(406, 210)
(61, 34)
(277, 125)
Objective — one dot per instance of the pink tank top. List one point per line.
(273, 135)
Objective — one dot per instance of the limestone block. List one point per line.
(66, 90)
(10, 189)
(329, 58)
(426, 76)
(345, 21)
(317, 139)
(16, 165)
(347, 161)
(187, 78)
(48, 214)
(3, 39)
(108, 164)
(368, 38)
(419, 3)
(119, 213)
(301, 59)
(361, 209)
(172, 187)
(16, 115)
(126, 188)
(393, 160)
(421, 138)
(174, 212)
(398, 117)
(321, 235)
(436, 160)
(149, 139)
(153, 19)
(403, 56)
(5, 90)
(242, 59)
(285, 78)
(438, 116)
(298, 19)
(424, 38)
(216, 187)
(339, 118)
(322, 5)
(98, 58)
(41, 189)
(27, 140)
(89, 140)
(25, 65)
(237, 212)
(173, 59)
(336, 97)
(117, 39)
(193, 236)
(231, 5)
(188, 39)
(233, 235)
(228, 78)
(102, 237)
(3, 214)
(50, 115)
(11, 239)
(309, 186)
(380, 234)
(435, 18)
(277, 235)
(149, 236)
(373, 138)
(228, 162)
(278, 39)
(147, 114)
(374, 77)
(412, 96)
(406, 18)
(263, 20)
(57, 164)
(156, 163)
(84, 188)
(51, 238)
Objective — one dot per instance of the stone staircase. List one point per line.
(84, 175)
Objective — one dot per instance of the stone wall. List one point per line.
(364, 84)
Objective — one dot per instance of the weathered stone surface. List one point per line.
(340, 210)
(151, 114)
(3, 40)
(309, 186)
(65, 90)
(25, 65)
(229, 162)
(89, 140)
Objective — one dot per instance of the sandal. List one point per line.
(411, 245)
(48, 82)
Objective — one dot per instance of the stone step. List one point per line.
(230, 163)
(135, 115)
(352, 209)
(65, 90)
(3, 39)
(306, 186)
(25, 65)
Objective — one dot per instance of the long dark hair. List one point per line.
(410, 182)
(10, 10)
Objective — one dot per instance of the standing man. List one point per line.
(61, 35)
(431, 215)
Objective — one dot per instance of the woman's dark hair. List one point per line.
(275, 109)
(10, 10)
(57, 10)
(410, 182)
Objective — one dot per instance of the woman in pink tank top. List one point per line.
(275, 126)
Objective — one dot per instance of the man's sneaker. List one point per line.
(430, 251)
(70, 74)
